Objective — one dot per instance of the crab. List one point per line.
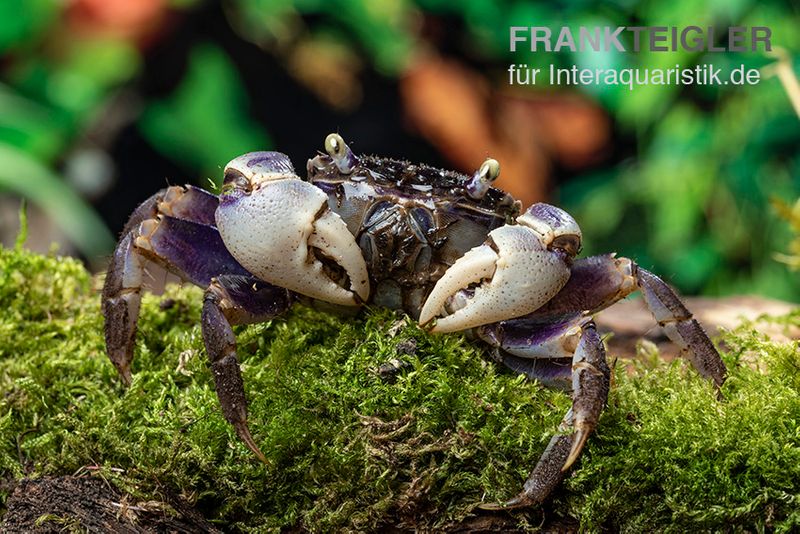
(448, 249)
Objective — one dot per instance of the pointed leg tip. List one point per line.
(126, 376)
(569, 462)
(520, 501)
(580, 437)
(719, 382)
(121, 360)
(244, 434)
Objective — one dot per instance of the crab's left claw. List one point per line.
(517, 270)
(281, 230)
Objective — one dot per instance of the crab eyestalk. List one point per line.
(340, 153)
(280, 229)
(482, 179)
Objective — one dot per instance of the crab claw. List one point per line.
(518, 269)
(281, 230)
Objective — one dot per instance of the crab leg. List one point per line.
(541, 351)
(538, 345)
(595, 283)
(122, 290)
(680, 327)
(599, 281)
(183, 243)
(121, 300)
(189, 203)
(590, 384)
(230, 300)
(193, 251)
(551, 372)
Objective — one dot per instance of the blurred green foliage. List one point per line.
(203, 125)
(790, 213)
(692, 202)
(21, 173)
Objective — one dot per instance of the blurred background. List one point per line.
(103, 102)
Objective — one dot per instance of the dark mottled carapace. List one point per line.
(411, 221)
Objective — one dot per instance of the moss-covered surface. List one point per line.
(350, 450)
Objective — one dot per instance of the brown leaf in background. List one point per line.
(575, 131)
(448, 104)
(328, 69)
(456, 109)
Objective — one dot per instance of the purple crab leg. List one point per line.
(189, 203)
(540, 351)
(553, 373)
(595, 283)
(121, 296)
(193, 251)
(230, 300)
(190, 249)
(599, 281)
(680, 327)
(121, 300)
(590, 384)
(538, 345)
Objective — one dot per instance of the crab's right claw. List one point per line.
(281, 230)
(517, 270)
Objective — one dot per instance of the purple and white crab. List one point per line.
(448, 249)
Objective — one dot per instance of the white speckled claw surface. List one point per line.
(514, 281)
(282, 230)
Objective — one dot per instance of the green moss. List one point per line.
(349, 450)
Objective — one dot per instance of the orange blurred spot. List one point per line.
(459, 112)
(137, 20)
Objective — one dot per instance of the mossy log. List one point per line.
(349, 449)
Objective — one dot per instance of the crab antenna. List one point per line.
(481, 181)
(340, 153)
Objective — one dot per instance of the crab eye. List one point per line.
(490, 170)
(340, 153)
(480, 182)
(234, 180)
(569, 243)
(335, 145)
